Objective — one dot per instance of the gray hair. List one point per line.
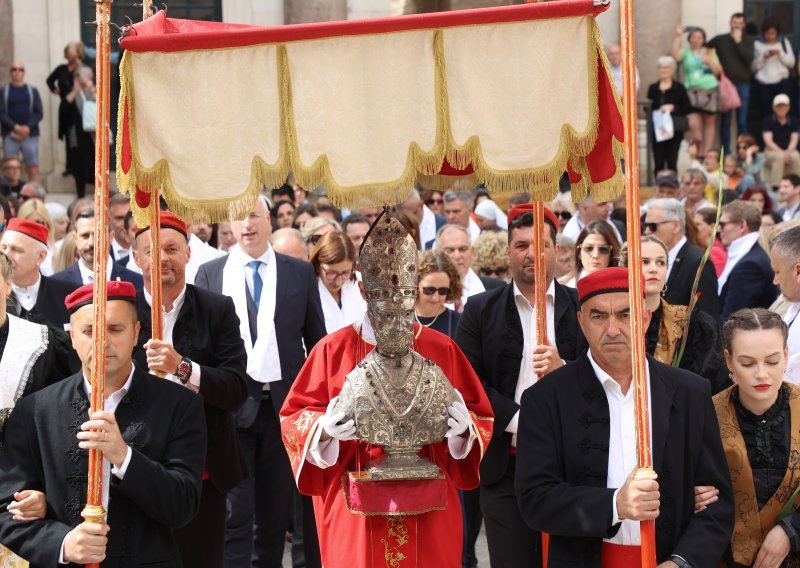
(315, 224)
(565, 242)
(673, 210)
(668, 61)
(463, 196)
(787, 245)
(696, 172)
(41, 193)
(450, 227)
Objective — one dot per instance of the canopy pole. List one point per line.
(156, 311)
(94, 511)
(540, 304)
(632, 204)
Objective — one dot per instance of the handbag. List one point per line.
(89, 114)
(729, 98)
(704, 100)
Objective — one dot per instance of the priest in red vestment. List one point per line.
(322, 445)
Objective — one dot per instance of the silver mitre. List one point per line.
(397, 398)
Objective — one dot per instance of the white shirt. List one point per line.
(792, 319)
(200, 254)
(673, 254)
(110, 405)
(736, 251)
(87, 274)
(622, 458)
(473, 229)
(132, 266)
(470, 285)
(248, 272)
(27, 296)
(427, 226)
(169, 318)
(526, 377)
(118, 250)
(789, 214)
(702, 204)
(616, 74)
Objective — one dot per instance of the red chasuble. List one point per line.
(431, 539)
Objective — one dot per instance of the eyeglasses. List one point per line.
(501, 272)
(334, 274)
(431, 290)
(18, 69)
(435, 201)
(564, 214)
(601, 249)
(653, 227)
(723, 223)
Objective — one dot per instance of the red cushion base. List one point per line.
(402, 497)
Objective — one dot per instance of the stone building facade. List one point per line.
(36, 32)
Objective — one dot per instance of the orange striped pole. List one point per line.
(93, 511)
(632, 204)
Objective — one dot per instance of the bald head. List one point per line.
(290, 242)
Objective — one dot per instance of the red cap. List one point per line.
(605, 281)
(33, 230)
(115, 290)
(521, 209)
(168, 220)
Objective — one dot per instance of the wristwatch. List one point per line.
(184, 370)
(680, 561)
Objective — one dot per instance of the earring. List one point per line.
(664, 291)
(730, 376)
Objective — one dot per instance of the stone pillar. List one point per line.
(305, 11)
(253, 12)
(6, 37)
(656, 21)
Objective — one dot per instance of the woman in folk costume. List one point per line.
(759, 420)
(324, 448)
(665, 333)
(333, 259)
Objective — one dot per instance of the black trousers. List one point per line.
(665, 154)
(202, 541)
(512, 544)
(472, 517)
(258, 509)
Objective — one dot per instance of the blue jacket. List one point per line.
(73, 274)
(749, 285)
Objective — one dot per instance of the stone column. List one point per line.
(305, 11)
(6, 37)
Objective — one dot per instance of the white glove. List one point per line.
(459, 419)
(332, 423)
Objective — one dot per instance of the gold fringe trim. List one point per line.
(542, 182)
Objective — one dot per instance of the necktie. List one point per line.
(257, 282)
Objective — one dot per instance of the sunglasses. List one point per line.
(18, 69)
(601, 249)
(314, 239)
(653, 227)
(501, 272)
(431, 290)
(723, 223)
(564, 214)
(435, 201)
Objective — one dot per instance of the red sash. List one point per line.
(619, 556)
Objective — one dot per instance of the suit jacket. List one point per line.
(681, 279)
(118, 271)
(491, 283)
(299, 324)
(49, 308)
(207, 332)
(562, 465)
(490, 335)
(749, 285)
(163, 425)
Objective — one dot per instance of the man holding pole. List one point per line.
(576, 472)
(497, 334)
(152, 437)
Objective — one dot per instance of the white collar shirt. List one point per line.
(119, 250)
(87, 274)
(248, 272)
(427, 226)
(673, 254)
(622, 459)
(27, 296)
(736, 251)
(169, 319)
(473, 229)
(789, 214)
(470, 285)
(793, 321)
